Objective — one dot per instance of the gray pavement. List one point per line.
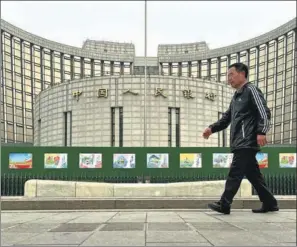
(148, 228)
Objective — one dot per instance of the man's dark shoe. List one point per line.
(266, 209)
(219, 207)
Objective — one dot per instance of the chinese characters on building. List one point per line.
(210, 96)
(129, 91)
(76, 95)
(187, 93)
(159, 92)
(102, 93)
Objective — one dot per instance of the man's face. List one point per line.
(235, 79)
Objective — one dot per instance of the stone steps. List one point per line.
(71, 203)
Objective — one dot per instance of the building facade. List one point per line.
(109, 111)
(31, 64)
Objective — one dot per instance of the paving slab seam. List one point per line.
(112, 217)
(26, 222)
(33, 236)
(195, 230)
(18, 224)
(229, 223)
(100, 227)
(50, 244)
(72, 219)
(97, 230)
(42, 232)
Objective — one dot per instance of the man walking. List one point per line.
(249, 117)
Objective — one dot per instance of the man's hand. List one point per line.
(261, 140)
(207, 132)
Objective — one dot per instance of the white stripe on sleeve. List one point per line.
(261, 108)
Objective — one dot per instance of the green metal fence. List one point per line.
(282, 181)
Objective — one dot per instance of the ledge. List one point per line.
(22, 203)
(62, 189)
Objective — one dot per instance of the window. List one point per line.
(185, 69)
(114, 112)
(57, 67)
(29, 131)
(97, 67)
(112, 126)
(10, 132)
(116, 68)
(233, 58)
(19, 133)
(127, 69)
(106, 68)
(173, 118)
(67, 128)
(277, 133)
(2, 132)
(67, 67)
(174, 69)
(204, 68)
(164, 69)
(194, 69)
(39, 132)
(121, 126)
(177, 130)
(169, 128)
(19, 115)
(222, 134)
(223, 69)
(87, 68)
(214, 69)
(77, 67)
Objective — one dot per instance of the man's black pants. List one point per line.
(244, 163)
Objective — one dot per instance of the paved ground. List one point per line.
(148, 228)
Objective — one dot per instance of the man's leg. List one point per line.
(255, 177)
(235, 176)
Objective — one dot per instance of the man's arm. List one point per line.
(223, 123)
(263, 112)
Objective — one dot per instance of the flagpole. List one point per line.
(145, 72)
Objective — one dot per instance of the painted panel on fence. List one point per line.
(222, 160)
(187, 160)
(20, 160)
(157, 160)
(262, 159)
(90, 160)
(287, 160)
(55, 160)
(124, 161)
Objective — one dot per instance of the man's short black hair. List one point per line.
(240, 67)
